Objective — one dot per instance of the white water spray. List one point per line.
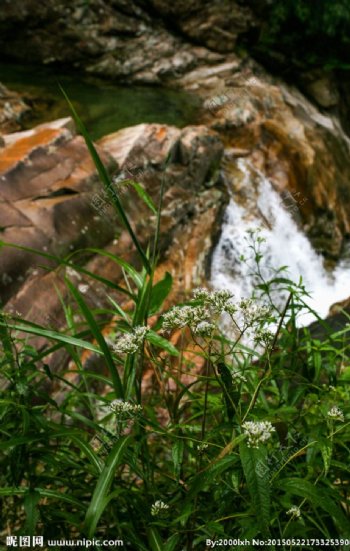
(285, 245)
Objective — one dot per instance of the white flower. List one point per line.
(252, 312)
(204, 328)
(258, 432)
(120, 407)
(336, 414)
(131, 342)
(218, 301)
(202, 447)
(83, 288)
(294, 511)
(238, 377)
(201, 293)
(72, 273)
(180, 316)
(158, 507)
(264, 336)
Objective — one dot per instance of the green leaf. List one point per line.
(143, 195)
(326, 450)
(65, 262)
(37, 330)
(177, 452)
(18, 491)
(159, 341)
(256, 472)
(30, 504)
(171, 544)
(134, 274)
(100, 339)
(89, 452)
(319, 497)
(105, 179)
(159, 293)
(100, 496)
(154, 539)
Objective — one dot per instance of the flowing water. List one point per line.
(103, 106)
(255, 204)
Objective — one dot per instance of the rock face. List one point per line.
(47, 181)
(303, 152)
(12, 110)
(119, 39)
(52, 201)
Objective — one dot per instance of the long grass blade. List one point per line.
(100, 496)
(105, 179)
(99, 338)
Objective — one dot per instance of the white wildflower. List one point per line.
(70, 272)
(121, 407)
(258, 432)
(336, 414)
(263, 336)
(202, 447)
(181, 316)
(238, 377)
(204, 328)
(83, 288)
(201, 293)
(131, 342)
(294, 512)
(158, 507)
(218, 301)
(252, 312)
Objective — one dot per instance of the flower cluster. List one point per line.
(204, 328)
(180, 316)
(263, 336)
(218, 301)
(258, 432)
(252, 312)
(294, 512)
(336, 414)
(131, 342)
(238, 377)
(158, 507)
(120, 407)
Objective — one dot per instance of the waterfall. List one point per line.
(256, 204)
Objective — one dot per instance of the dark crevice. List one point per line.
(59, 193)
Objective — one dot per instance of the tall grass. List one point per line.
(236, 438)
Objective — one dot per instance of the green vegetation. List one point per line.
(308, 32)
(241, 437)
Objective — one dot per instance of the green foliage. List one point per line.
(233, 437)
(308, 32)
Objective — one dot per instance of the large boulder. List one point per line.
(64, 208)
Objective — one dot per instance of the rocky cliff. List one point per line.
(50, 198)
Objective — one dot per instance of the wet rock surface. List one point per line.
(302, 151)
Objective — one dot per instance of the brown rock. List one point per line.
(47, 188)
(12, 110)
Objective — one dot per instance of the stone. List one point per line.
(48, 185)
(300, 149)
(184, 160)
(12, 111)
